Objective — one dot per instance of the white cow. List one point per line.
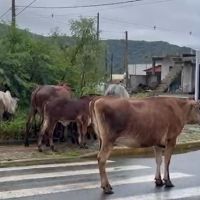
(7, 103)
(116, 90)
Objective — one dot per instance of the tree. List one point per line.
(26, 61)
(86, 56)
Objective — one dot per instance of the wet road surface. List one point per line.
(131, 178)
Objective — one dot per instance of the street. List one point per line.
(131, 178)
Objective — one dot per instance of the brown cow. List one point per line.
(154, 121)
(64, 111)
(40, 96)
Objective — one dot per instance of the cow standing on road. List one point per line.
(39, 97)
(65, 111)
(154, 121)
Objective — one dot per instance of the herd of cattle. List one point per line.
(117, 119)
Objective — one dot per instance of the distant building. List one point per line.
(118, 78)
(137, 75)
(172, 73)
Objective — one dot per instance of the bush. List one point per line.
(13, 129)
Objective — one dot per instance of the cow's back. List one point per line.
(45, 93)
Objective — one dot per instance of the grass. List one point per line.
(14, 129)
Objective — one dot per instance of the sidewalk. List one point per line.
(20, 155)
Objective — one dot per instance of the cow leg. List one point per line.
(84, 132)
(81, 134)
(42, 132)
(50, 132)
(103, 155)
(28, 127)
(168, 153)
(158, 156)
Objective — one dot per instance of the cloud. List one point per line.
(174, 19)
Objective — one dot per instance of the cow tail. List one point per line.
(96, 119)
(31, 115)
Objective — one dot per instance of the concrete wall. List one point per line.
(165, 67)
(187, 82)
(138, 69)
(152, 81)
(135, 80)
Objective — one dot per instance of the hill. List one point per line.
(139, 51)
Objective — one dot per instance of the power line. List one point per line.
(5, 13)
(26, 7)
(94, 5)
(150, 27)
(90, 5)
(86, 6)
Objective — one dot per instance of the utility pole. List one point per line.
(126, 59)
(197, 75)
(111, 67)
(13, 14)
(106, 64)
(98, 26)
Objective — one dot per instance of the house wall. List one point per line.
(187, 82)
(135, 80)
(152, 81)
(138, 69)
(165, 67)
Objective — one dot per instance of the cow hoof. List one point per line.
(107, 189)
(39, 149)
(159, 183)
(108, 192)
(26, 145)
(82, 146)
(168, 183)
(53, 149)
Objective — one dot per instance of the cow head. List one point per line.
(194, 115)
(12, 106)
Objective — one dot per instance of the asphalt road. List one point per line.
(132, 179)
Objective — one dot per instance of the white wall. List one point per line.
(135, 80)
(138, 69)
(165, 64)
(187, 82)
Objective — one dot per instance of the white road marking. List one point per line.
(166, 195)
(6, 169)
(81, 186)
(68, 173)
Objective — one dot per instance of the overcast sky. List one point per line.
(176, 21)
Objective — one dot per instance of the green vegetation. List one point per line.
(27, 60)
(14, 129)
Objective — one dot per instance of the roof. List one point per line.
(157, 69)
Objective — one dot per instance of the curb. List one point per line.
(147, 152)
(27, 162)
(117, 151)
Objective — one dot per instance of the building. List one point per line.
(170, 73)
(137, 75)
(118, 78)
(177, 73)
